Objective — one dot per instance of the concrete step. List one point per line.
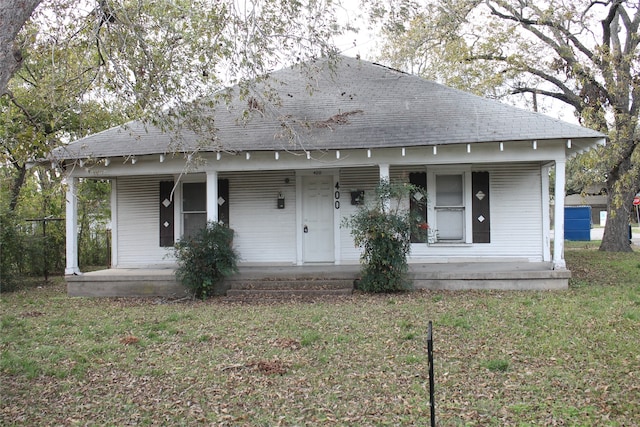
(287, 287)
(287, 284)
(287, 293)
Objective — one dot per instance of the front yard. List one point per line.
(501, 358)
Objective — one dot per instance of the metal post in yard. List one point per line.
(108, 236)
(45, 253)
(432, 402)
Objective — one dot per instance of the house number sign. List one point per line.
(336, 196)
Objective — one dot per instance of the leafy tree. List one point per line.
(88, 65)
(48, 101)
(585, 174)
(24, 249)
(382, 227)
(582, 53)
(148, 56)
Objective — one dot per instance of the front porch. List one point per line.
(320, 280)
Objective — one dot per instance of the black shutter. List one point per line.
(223, 201)
(480, 207)
(166, 214)
(419, 179)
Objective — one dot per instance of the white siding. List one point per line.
(266, 234)
(516, 211)
(516, 215)
(263, 233)
(516, 219)
(351, 180)
(365, 178)
(138, 223)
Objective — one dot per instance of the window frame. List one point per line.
(182, 200)
(467, 226)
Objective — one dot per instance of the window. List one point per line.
(459, 209)
(449, 207)
(194, 207)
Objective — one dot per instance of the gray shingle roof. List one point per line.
(353, 104)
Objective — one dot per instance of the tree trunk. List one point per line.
(616, 231)
(18, 181)
(13, 15)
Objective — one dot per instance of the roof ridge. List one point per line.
(394, 69)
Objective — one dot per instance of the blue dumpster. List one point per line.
(577, 223)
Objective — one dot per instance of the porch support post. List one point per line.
(114, 223)
(558, 218)
(546, 221)
(72, 228)
(212, 196)
(384, 171)
(384, 176)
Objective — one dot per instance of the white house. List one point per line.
(285, 178)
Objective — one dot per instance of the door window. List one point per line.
(194, 208)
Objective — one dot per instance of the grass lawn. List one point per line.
(501, 358)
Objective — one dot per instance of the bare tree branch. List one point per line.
(530, 24)
(606, 23)
(556, 95)
(24, 111)
(566, 95)
(563, 50)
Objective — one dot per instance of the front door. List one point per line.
(317, 218)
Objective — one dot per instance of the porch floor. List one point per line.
(141, 282)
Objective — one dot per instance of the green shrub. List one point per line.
(94, 247)
(11, 248)
(204, 260)
(382, 227)
(24, 252)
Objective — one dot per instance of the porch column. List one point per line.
(384, 171)
(72, 227)
(546, 220)
(212, 196)
(384, 176)
(114, 223)
(558, 218)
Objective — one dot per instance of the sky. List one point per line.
(361, 44)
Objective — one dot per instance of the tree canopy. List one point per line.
(87, 65)
(581, 53)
